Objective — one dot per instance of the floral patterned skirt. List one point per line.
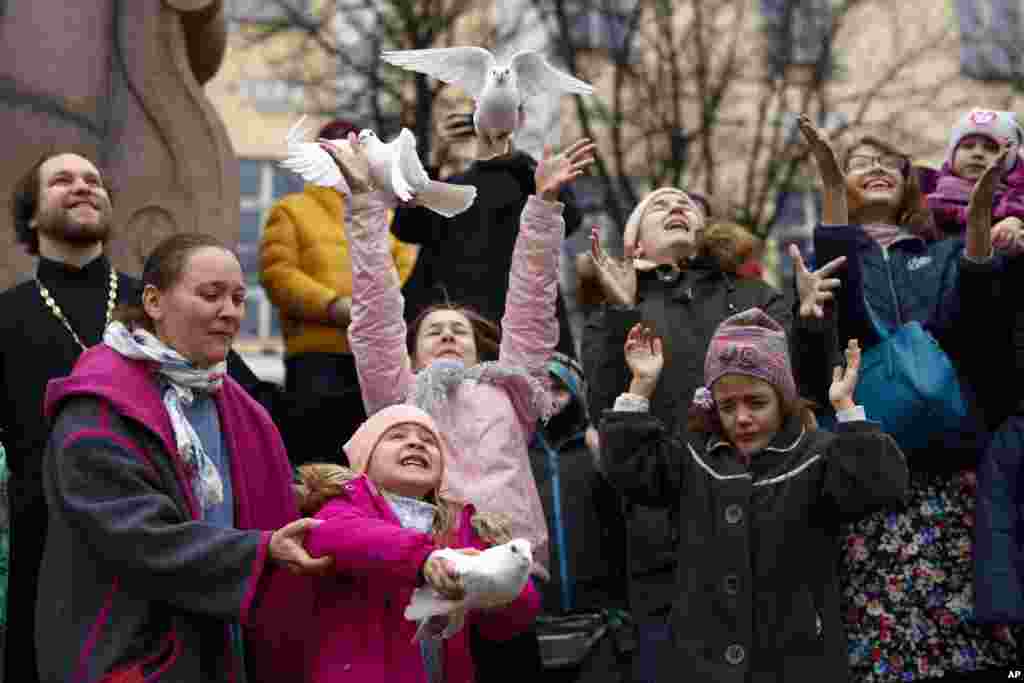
(907, 585)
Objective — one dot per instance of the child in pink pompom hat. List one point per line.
(383, 520)
(975, 142)
(763, 498)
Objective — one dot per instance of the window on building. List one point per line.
(990, 46)
(798, 34)
(267, 10)
(796, 214)
(601, 25)
(263, 182)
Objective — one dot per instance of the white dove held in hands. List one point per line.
(498, 88)
(493, 578)
(394, 167)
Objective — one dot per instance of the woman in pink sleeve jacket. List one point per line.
(382, 520)
(487, 411)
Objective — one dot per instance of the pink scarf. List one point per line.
(885, 234)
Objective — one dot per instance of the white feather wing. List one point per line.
(535, 76)
(466, 67)
(407, 173)
(310, 161)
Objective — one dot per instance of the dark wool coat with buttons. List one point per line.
(756, 595)
(685, 310)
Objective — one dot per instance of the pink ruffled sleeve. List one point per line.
(376, 333)
(529, 329)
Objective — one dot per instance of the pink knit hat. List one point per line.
(364, 442)
(750, 343)
(998, 126)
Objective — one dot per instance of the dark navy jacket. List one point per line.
(913, 281)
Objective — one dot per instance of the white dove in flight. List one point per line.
(492, 578)
(498, 88)
(394, 167)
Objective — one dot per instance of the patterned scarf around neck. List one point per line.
(183, 379)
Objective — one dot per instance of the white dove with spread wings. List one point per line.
(497, 87)
(394, 167)
(492, 578)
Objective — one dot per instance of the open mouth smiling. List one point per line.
(415, 461)
(879, 184)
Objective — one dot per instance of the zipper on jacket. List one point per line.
(892, 285)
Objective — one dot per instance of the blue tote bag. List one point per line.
(909, 385)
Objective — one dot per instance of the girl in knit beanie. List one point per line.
(763, 498)
(383, 519)
(976, 140)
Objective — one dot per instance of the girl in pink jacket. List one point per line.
(383, 519)
(487, 411)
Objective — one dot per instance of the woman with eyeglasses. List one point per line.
(906, 575)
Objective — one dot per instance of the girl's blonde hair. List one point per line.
(319, 483)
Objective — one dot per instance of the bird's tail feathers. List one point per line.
(446, 199)
(426, 602)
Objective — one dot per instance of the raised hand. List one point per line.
(844, 382)
(617, 278)
(351, 159)
(814, 287)
(821, 150)
(555, 170)
(979, 208)
(645, 359)
(835, 210)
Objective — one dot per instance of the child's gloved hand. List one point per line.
(844, 382)
(440, 574)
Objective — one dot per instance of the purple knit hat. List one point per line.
(749, 343)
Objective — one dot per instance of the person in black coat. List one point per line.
(467, 258)
(684, 286)
(764, 498)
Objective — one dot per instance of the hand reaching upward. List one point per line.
(555, 170)
(835, 210)
(645, 359)
(617, 277)
(844, 382)
(979, 208)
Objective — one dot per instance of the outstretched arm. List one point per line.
(835, 210)
(639, 455)
(979, 210)
(529, 327)
(376, 334)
